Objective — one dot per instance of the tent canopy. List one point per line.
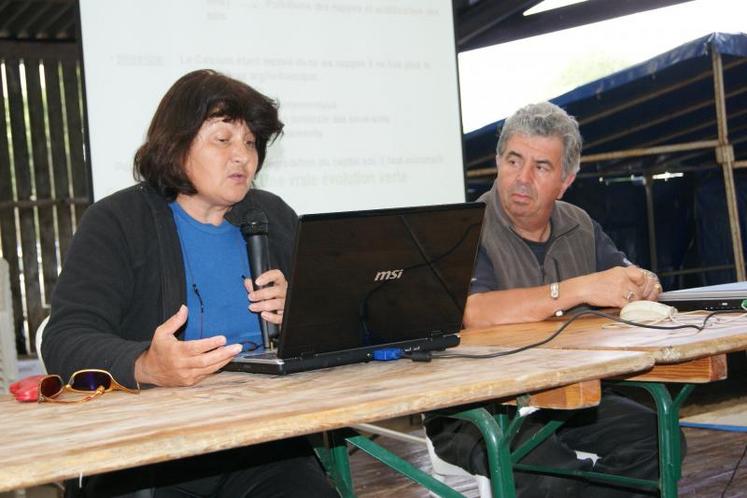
(667, 100)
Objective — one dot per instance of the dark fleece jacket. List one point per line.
(123, 276)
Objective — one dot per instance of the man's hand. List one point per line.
(618, 286)
(171, 362)
(269, 301)
(651, 287)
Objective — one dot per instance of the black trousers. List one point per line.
(280, 469)
(620, 431)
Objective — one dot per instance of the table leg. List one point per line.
(670, 451)
(403, 467)
(334, 457)
(541, 435)
(536, 439)
(497, 443)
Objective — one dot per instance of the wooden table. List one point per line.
(667, 347)
(682, 356)
(45, 442)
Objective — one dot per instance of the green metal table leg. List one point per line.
(403, 467)
(509, 427)
(670, 451)
(590, 475)
(497, 446)
(536, 439)
(337, 463)
(503, 420)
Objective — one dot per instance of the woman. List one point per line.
(144, 252)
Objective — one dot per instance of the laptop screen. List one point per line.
(367, 278)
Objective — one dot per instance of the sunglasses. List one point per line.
(92, 381)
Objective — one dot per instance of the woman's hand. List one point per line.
(171, 362)
(270, 300)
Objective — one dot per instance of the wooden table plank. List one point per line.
(700, 371)
(48, 442)
(595, 334)
(572, 397)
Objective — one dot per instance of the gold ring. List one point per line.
(629, 296)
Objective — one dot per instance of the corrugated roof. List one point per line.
(38, 20)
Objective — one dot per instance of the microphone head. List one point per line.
(253, 221)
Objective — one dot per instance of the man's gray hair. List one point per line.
(546, 120)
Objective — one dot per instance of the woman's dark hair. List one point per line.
(194, 98)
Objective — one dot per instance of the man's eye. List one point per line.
(251, 144)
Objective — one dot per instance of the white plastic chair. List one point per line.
(38, 342)
(442, 468)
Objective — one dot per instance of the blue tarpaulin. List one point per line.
(667, 100)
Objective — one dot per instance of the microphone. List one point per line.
(253, 226)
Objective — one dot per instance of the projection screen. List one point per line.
(367, 89)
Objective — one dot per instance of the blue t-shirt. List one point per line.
(214, 262)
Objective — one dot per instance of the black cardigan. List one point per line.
(123, 276)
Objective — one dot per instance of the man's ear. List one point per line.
(497, 161)
(566, 183)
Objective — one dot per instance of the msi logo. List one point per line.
(388, 275)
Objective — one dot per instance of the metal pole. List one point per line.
(725, 157)
(619, 154)
(649, 151)
(649, 185)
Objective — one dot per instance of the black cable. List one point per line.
(734, 472)
(571, 320)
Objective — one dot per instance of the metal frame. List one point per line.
(498, 432)
(722, 148)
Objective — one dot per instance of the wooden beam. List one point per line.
(485, 15)
(39, 50)
(649, 151)
(700, 371)
(572, 397)
(28, 204)
(726, 160)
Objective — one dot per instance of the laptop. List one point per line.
(364, 281)
(711, 298)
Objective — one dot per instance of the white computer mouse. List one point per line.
(645, 311)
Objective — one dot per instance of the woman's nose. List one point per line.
(239, 153)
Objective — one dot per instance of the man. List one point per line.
(538, 257)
